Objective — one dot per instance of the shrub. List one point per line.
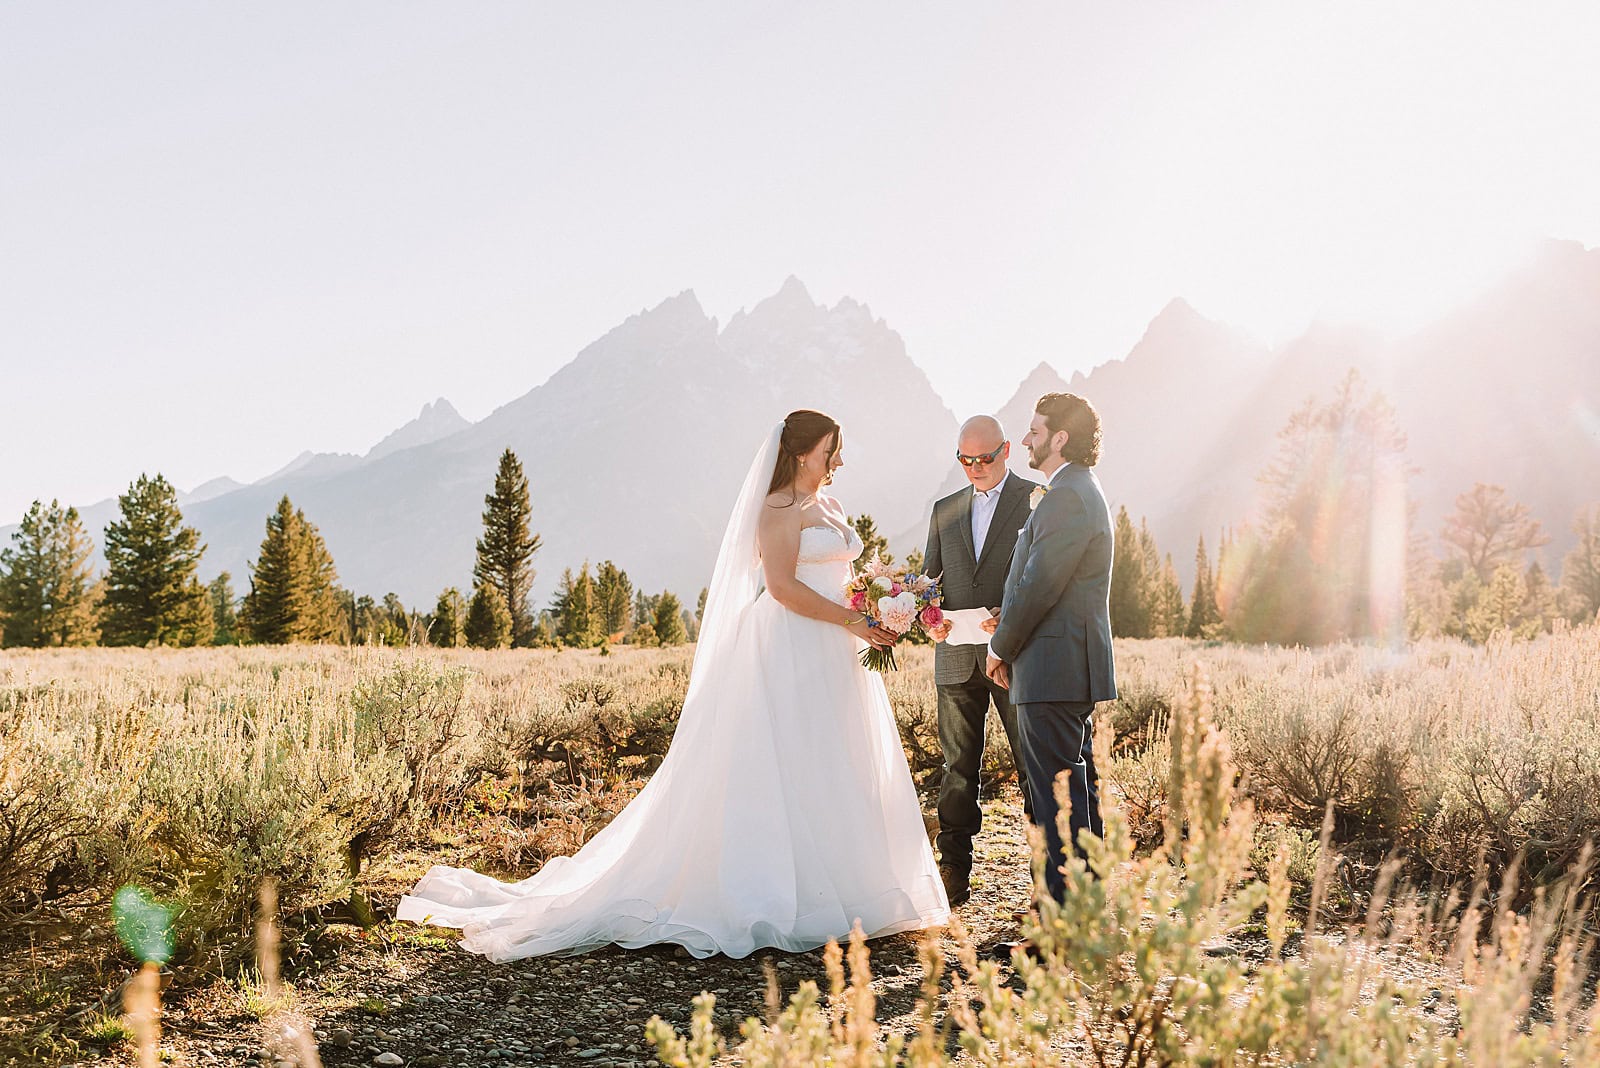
(1123, 967)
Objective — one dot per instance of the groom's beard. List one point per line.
(1037, 456)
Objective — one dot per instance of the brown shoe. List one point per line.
(957, 885)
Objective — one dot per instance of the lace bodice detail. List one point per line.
(824, 561)
(826, 544)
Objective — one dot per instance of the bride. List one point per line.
(784, 811)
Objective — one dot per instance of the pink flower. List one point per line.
(896, 590)
(859, 601)
(931, 616)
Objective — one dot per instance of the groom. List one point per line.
(970, 540)
(1051, 646)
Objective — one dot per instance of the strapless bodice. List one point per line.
(825, 557)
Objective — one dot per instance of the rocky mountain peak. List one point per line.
(438, 419)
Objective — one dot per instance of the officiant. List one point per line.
(970, 541)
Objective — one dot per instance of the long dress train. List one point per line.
(783, 813)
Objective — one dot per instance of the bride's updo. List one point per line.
(802, 430)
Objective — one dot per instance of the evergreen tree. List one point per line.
(544, 631)
(668, 622)
(644, 608)
(1130, 605)
(1334, 519)
(700, 614)
(47, 589)
(1538, 603)
(613, 600)
(224, 611)
(348, 616)
(578, 621)
(292, 594)
(448, 628)
(488, 619)
(1167, 617)
(151, 593)
(873, 544)
(386, 623)
(1205, 618)
(1580, 569)
(1487, 530)
(505, 551)
(1499, 607)
(644, 635)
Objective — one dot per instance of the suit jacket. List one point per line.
(970, 581)
(1055, 618)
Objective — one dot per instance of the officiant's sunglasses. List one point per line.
(981, 458)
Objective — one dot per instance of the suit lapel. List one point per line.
(966, 526)
(1016, 491)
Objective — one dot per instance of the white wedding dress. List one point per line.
(782, 814)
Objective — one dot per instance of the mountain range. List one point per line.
(635, 448)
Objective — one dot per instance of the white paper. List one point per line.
(965, 626)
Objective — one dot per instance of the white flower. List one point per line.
(898, 613)
(883, 582)
(1036, 496)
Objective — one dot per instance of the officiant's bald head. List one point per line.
(982, 449)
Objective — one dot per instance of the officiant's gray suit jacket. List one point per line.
(970, 580)
(1055, 622)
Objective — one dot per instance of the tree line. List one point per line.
(150, 595)
(1336, 554)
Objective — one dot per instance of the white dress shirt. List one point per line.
(984, 502)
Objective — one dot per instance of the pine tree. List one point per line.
(668, 622)
(1487, 530)
(448, 628)
(1205, 619)
(644, 608)
(700, 611)
(488, 619)
(1499, 607)
(1580, 569)
(292, 594)
(613, 600)
(389, 623)
(224, 611)
(47, 589)
(578, 621)
(366, 630)
(1130, 607)
(151, 593)
(505, 551)
(324, 620)
(1167, 617)
(873, 544)
(1538, 602)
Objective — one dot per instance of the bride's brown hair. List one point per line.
(801, 432)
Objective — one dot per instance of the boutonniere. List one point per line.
(1036, 496)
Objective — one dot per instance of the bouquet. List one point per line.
(895, 599)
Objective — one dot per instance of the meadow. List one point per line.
(1262, 792)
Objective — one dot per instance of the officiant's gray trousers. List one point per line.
(963, 708)
(1058, 738)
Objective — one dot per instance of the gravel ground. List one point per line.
(406, 998)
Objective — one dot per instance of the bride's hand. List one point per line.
(873, 635)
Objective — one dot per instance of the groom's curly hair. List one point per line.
(1070, 412)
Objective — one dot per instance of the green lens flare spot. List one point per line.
(144, 926)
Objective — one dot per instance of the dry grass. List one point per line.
(200, 774)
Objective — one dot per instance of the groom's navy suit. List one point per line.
(971, 579)
(1055, 633)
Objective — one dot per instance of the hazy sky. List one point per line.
(229, 232)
